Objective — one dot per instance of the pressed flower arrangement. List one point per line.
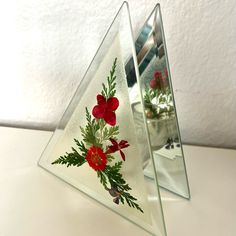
(99, 144)
(158, 98)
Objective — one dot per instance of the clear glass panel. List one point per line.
(107, 152)
(159, 105)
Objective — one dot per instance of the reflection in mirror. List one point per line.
(159, 108)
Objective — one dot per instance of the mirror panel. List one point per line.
(159, 108)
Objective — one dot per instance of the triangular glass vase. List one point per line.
(95, 147)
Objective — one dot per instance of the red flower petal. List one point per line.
(112, 103)
(153, 84)
(122, 155)
(96, 158)
(110, 117)
(111, 149)
(101, 100)
(117, 147)
(114, 147)
(98, 111)
(158, 75)
(113, 141)
(123, 144)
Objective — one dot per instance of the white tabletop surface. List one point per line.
(35, 203)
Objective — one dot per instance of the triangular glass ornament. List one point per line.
(95, 147)
(159, 105)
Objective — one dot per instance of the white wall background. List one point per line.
(46, 47)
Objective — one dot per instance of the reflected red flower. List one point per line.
(153, 84)
(96, 158)
(159, 81)
(105, 109)
(117, 147)
(158, 75)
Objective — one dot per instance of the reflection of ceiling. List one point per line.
(149, 43)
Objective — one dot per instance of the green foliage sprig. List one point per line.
(73, 158)
(96, 134)
(163, 104)
(109, 90)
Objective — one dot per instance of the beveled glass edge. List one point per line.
(145, 121)
(177, 121)
(158, 8)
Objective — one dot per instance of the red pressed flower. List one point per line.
(117, 147)
(105, 109)
(96, 158)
